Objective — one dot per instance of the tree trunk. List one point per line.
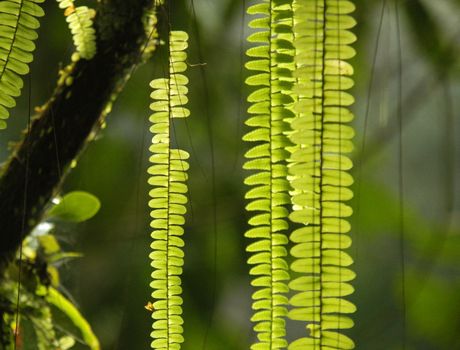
(69, 120)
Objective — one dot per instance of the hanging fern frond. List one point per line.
(271, 58)
(80, 21)
(168, 177)
(319, 173)
(18, 30)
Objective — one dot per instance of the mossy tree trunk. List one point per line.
(69, 120)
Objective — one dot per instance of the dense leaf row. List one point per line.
(169, 197)
(269, 186)
(302, 76)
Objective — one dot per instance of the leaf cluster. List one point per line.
(32, 320)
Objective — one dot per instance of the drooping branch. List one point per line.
(69, 120)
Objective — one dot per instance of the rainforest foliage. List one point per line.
(251, 240)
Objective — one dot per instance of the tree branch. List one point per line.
(69, 121)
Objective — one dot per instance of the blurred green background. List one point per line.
(111, 283)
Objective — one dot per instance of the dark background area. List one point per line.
(111, 282)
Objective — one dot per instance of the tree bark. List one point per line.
(69, 120)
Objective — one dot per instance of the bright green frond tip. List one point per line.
(80, 21)
(319, 174)
(168, 198)
(18, 30)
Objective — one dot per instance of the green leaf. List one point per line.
(75, 206)
(63, 256)
(49, 244)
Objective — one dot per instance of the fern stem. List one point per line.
(321, 163)
(402, 250)
(271, 130)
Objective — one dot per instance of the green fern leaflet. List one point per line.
(168, 178)
(319, 173)
(18, 30)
